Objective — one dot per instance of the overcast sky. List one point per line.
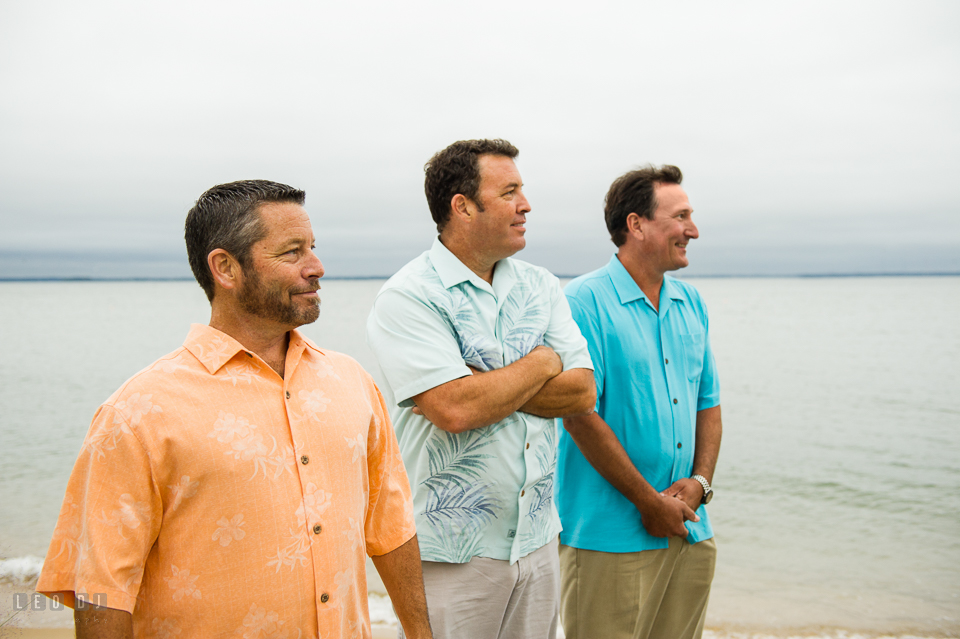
(815, 137)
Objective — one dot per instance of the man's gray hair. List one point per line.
(228, 217)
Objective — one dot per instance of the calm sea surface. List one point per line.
(838, 487)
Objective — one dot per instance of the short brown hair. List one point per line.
(227, 216)
(633, 192)
(456, 169)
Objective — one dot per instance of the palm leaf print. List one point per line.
(476, 347)
(461, 506)
(455, 458)
(539, 511)
(452, 545)
(458, 504)
(456, 518)
(524, 322)
(536, 536)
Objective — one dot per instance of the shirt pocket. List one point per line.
(693, 349)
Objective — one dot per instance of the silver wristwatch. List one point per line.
(707, 491)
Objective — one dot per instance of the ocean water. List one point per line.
(838, 487)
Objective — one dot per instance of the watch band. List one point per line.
(707, 490)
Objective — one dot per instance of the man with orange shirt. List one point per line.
(235, 486)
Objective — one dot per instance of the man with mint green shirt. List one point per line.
(633, 478)
(480, 356)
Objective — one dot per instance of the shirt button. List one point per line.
(666, 361)
(324, 598)
(528, 446)
(249, 354)
(679, 445)
(288, 394)
(674, 400)
(304, 460)
(522, 493)
(316, 529)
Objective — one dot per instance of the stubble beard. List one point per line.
(275, 303)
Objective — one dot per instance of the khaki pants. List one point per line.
(653, 594)
(490, 599)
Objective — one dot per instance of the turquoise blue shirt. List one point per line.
(654, 371)
(486, 492)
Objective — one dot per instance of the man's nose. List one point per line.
(314, 267)
(692, 232)
(523, 204)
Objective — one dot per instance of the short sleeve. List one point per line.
(416, 348)
(109, 520)
(586, 320)
(563, 335)
(709, 392)
(389, 522)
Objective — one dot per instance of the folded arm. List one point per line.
(662, 516)
(572, 392)
(475, 401)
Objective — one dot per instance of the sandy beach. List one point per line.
(67, 633)
(385, 632)
(726, 620)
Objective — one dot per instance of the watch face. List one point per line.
(707, 497)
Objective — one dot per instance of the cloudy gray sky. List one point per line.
(815, 137)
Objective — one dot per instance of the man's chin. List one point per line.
(304, 316)
(311, 316)
(516, 247)
(679, 262)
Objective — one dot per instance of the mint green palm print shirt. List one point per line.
(487, 492)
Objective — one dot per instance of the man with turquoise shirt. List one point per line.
(637, 553)
(480, 356)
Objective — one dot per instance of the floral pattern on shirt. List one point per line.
(165, 628)
(229, 529)
(184, 489)
(190, 508)
(130, 514)
(182, 583)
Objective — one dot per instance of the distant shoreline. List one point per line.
(561, 276)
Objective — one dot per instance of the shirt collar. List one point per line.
(295, 349)
(627, 288)
(215, 348)
(452, 271)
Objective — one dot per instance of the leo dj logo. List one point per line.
(36, 601)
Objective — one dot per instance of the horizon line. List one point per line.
(560, 276)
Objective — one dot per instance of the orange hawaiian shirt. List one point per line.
(212, 498)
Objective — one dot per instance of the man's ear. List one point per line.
(459, 205)
(225, 269)
(635, 225)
